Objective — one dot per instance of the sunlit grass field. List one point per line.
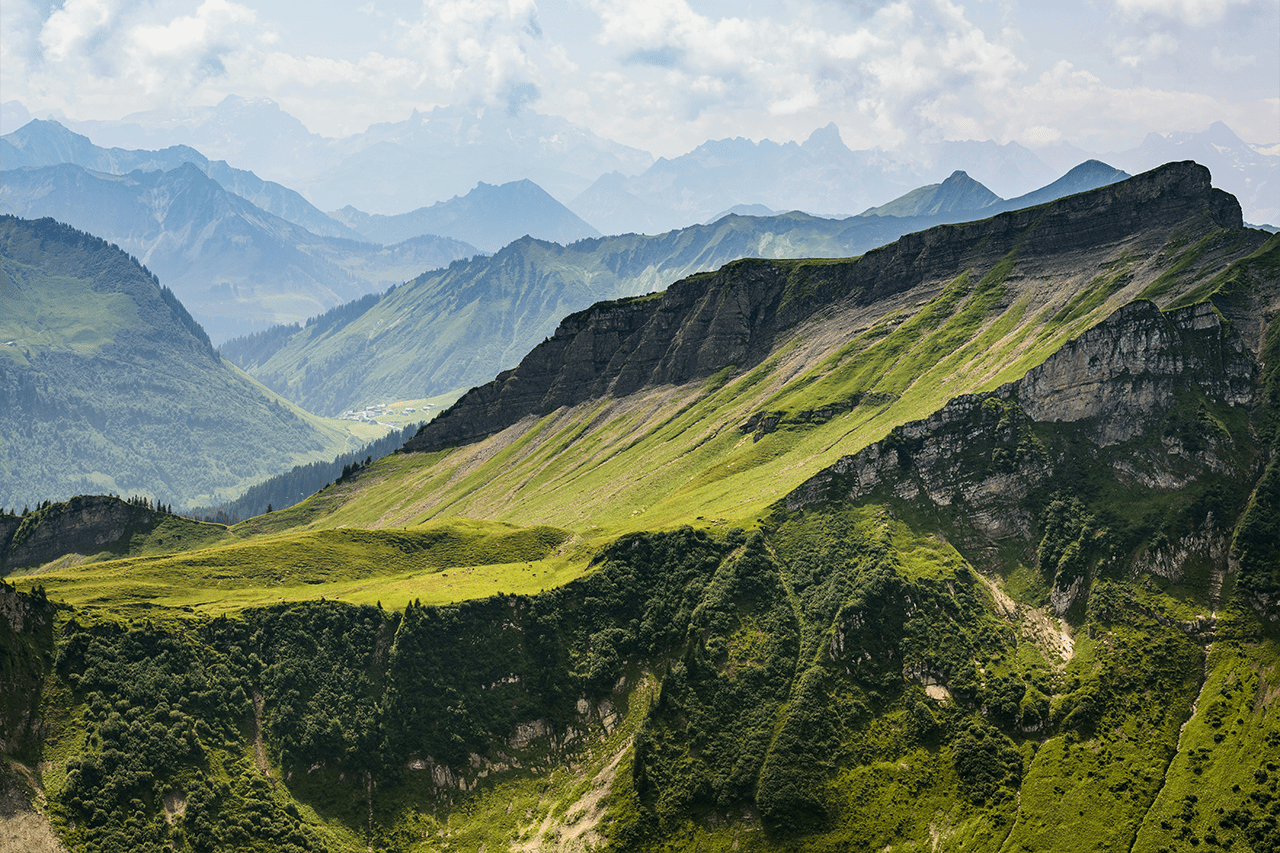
(437, 562)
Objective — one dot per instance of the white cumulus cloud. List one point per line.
(666, 75)
(477, 51)
(73, 28)
(799, 65)
(184, 51)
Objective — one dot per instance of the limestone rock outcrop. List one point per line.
(85, 524)
(1116, 383)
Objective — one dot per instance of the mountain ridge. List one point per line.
(256, 132)
(959, 192)
(463, 343)
(49, 143)
(616, 345)
(488, 217)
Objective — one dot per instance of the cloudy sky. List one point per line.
(665, 75)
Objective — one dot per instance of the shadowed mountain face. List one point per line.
(236, 266)
(107, 383)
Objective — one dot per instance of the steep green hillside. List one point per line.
(718, 441)
(957, 546)
(449, 329)
(108, 384)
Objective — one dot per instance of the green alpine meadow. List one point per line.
(968, 543)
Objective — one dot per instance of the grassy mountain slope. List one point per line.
(731, 418)
(993, 594)
(450, 329)
(109, 384)
(234, 265)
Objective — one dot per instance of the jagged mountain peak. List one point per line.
(828, 135)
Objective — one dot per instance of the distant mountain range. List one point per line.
(823, 176)
(237, 267)
(1237, 167)
(48, 143)
(820, 175)
(430, 157)
(391, 167)
(108, 384)
(962, 195)
(450, 329)
(489, 217)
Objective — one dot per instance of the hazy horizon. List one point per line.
(666, 76)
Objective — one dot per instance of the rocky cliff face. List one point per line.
(1118, 375)
(1124, 384)
(26, 637)
(736, 316)
(86, 524)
